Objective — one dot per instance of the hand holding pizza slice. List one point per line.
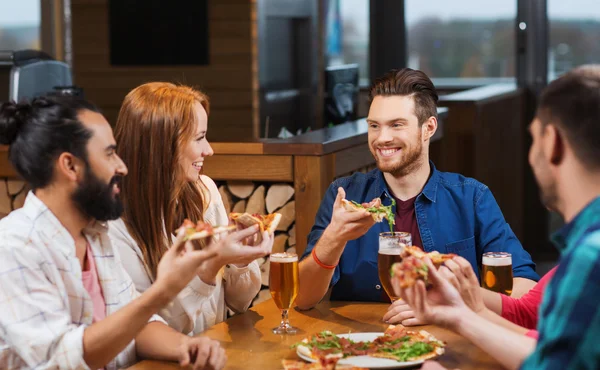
(202, 230)
(267, 223)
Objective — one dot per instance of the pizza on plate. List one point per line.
(396, 343)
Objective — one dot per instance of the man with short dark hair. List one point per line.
(565, 158)
(443, 211)
(65, 300)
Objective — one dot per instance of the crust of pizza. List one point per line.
(436, 257)
(349, 206)
(205, 233)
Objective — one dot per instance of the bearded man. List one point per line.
(443, 211)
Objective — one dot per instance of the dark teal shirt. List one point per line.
(569, 326)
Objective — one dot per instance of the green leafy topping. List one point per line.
(387, 210)
(408, 351)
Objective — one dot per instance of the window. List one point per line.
(574, 35)
(347, 35)
(20, 25)
(461, 38)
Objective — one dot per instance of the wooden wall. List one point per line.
(228, 79)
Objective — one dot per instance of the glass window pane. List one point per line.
(574, 35)
(20, 24)
(347, 34)
(461, 38)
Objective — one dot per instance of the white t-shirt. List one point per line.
(199, 305)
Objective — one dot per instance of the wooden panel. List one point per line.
(227, 79)
(501, 157)
(352, 159)
(312, 177)
(237, 148)
(249, 167)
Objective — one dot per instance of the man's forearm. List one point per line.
(166, 348)
(314, 279)
(506, 346)
(495, 318)
(521, 286)
(103, 340)
(492, 300)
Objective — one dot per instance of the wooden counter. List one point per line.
(250, 344)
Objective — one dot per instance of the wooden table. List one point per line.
(250, 344)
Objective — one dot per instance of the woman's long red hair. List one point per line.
(155, 122)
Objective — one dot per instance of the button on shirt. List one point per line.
(569, 324)
(455, 214)
(44, 307)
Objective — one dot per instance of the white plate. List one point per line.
(367, 361)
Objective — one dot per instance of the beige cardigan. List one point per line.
(199, 305)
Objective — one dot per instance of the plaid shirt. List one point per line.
(569, 326)
(44, 308)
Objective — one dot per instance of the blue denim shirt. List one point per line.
(455, 214)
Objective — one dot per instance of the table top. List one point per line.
(250, 344)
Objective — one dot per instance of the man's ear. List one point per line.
(70, 166)
(554, 144)
(429, 128)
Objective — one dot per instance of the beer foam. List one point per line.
(284, 257)
(497, 260)
(391, 251)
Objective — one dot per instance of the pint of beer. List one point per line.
(497, 274)
(283, 279)
(390, 248)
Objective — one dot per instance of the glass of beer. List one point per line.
(390, 248)
(497, 274)
(283, 283)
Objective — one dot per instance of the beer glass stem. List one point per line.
(285, 321)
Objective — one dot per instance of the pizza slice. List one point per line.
(328, 365)
(375, 207)
(409, 271)
(202, 230)
(436, 257)
(405, 345)
(265, 222)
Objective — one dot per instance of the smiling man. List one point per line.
(443, 211)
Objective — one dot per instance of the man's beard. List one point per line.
(95, 198)
(547, 187)
(548, 195)
(410, 162)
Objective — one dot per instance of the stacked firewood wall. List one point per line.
(264, 198)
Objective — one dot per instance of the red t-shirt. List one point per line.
(524, 311)
(406, 220)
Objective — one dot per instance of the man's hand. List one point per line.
(460, 274)
(202, 353)
(400, 312)
(441, 304)
(346, 225)
(180, 264)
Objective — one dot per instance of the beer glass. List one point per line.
(283, 284)
(390, 247)
(497, 274)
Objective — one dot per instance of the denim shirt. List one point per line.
(455, 214)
